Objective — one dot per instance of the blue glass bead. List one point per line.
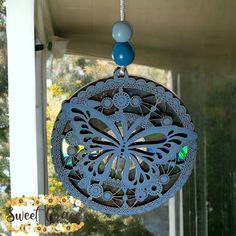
(122, 31)
(123, 53)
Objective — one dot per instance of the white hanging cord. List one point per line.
(122, 10)
(122, 18)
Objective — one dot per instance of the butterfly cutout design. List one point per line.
(124, 149)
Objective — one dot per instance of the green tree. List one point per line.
(4, 126)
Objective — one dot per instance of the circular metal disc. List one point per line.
(123, 145)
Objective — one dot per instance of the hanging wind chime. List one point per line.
(123, 144)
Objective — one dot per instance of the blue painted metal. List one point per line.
(123, 53)
(123, 136)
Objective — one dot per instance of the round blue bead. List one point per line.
(122, 31)
(123, 53)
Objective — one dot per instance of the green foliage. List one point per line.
(221, 138)
(98, 224)
(70, 73)
(4, 127)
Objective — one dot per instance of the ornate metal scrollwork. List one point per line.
(123, 145)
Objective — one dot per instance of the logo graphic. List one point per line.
(22, 214)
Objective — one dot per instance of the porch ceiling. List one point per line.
(166, 33)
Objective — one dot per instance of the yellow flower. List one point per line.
(81, 225)
(73, 227)
(38, 229)
(57, 199)
(68, 228)
(78, 82)
(64, 199)
(68, 204)
(44, 229)
(20, 201)
(50, 201)
(14, 201)
(10, 228)
(37, 202)
(55, 90)
(22, 228)
(8, 203)
(52, 189)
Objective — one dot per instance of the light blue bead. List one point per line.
(122, 31)
(123, 53)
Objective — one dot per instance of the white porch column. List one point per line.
(172, 216)
(22, 99)
(176, 224)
